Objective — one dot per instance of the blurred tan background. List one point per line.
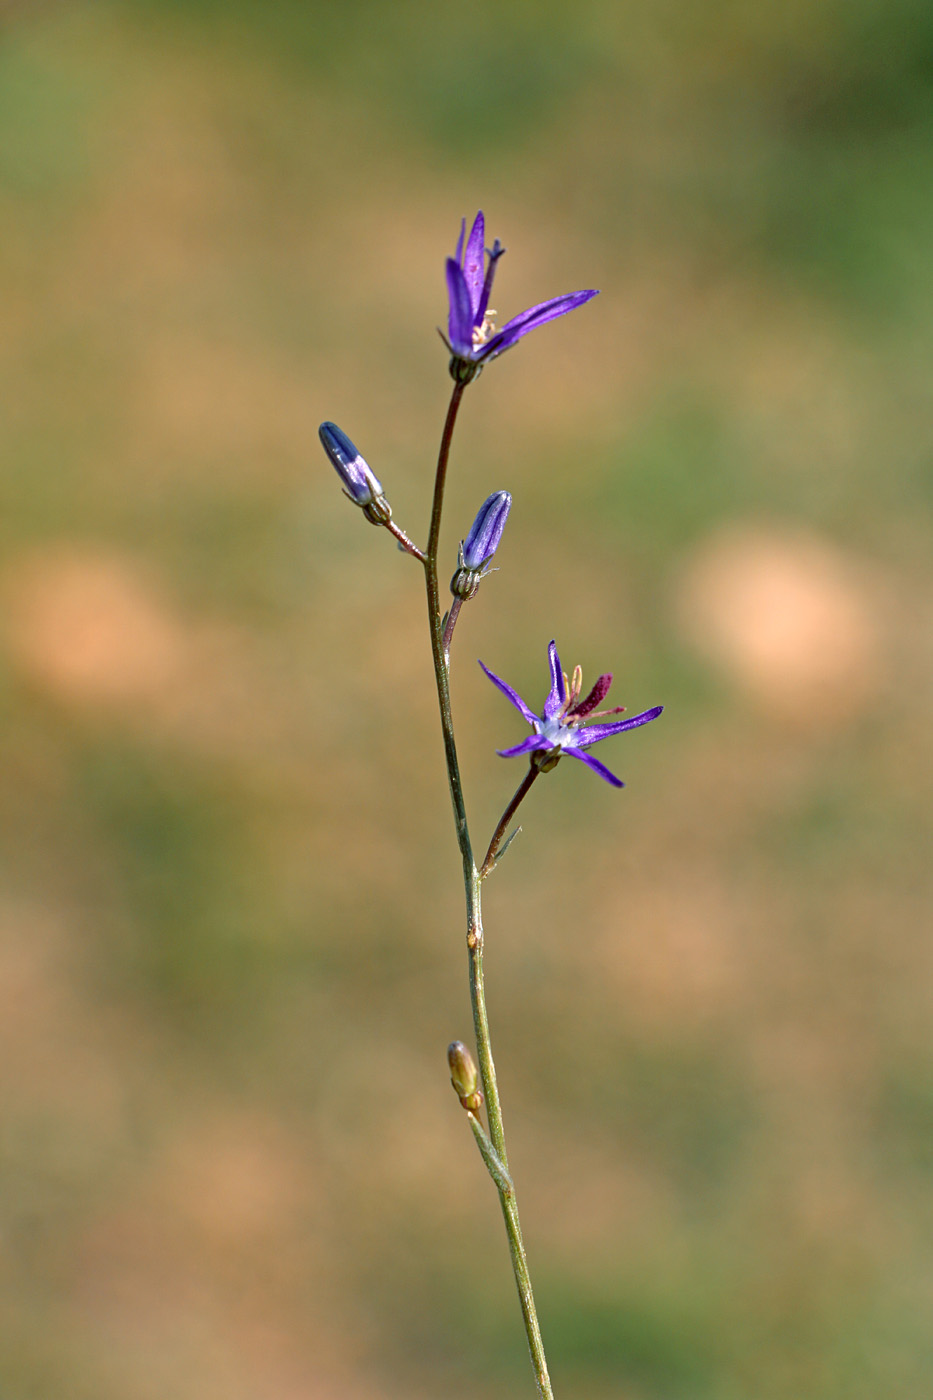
(231, 952)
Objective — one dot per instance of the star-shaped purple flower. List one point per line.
(560, 729)
(471, 335)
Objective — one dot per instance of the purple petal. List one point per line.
(529, 320)
(534, 741)
(495, 253)
(594, 732)
(558, 692)
(486, 531)
(359, 481)
(512, 695)
(460, 320)
(458, 255)
(473, 263)
(596, 766)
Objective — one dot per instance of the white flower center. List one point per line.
(555, 731)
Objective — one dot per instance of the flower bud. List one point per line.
(463, 1075)
(486, 531)
(481, 544)
(360, 483)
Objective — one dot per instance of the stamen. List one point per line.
(482, 333)
(599, 692)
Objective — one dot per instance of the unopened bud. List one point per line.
(360, 482)
(463, 1075)
(477, 550)
(486, 531)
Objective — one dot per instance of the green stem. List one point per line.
(471, 883)
(495, 1168)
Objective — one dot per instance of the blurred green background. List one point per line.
(231, 955)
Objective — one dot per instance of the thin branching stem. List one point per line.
(406, 544)
(504, 820)
(453, 614)
(495, 1168)
(472, 889)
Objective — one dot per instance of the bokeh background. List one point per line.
(231, 955)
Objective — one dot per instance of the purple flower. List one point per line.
(560, 729)
(480, 545)
(471, 335)
(360, 483)
(486, 531)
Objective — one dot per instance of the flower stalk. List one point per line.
(497, 844)
(497, 1162)
(449, 625)
(404, 542)
(563, 727)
